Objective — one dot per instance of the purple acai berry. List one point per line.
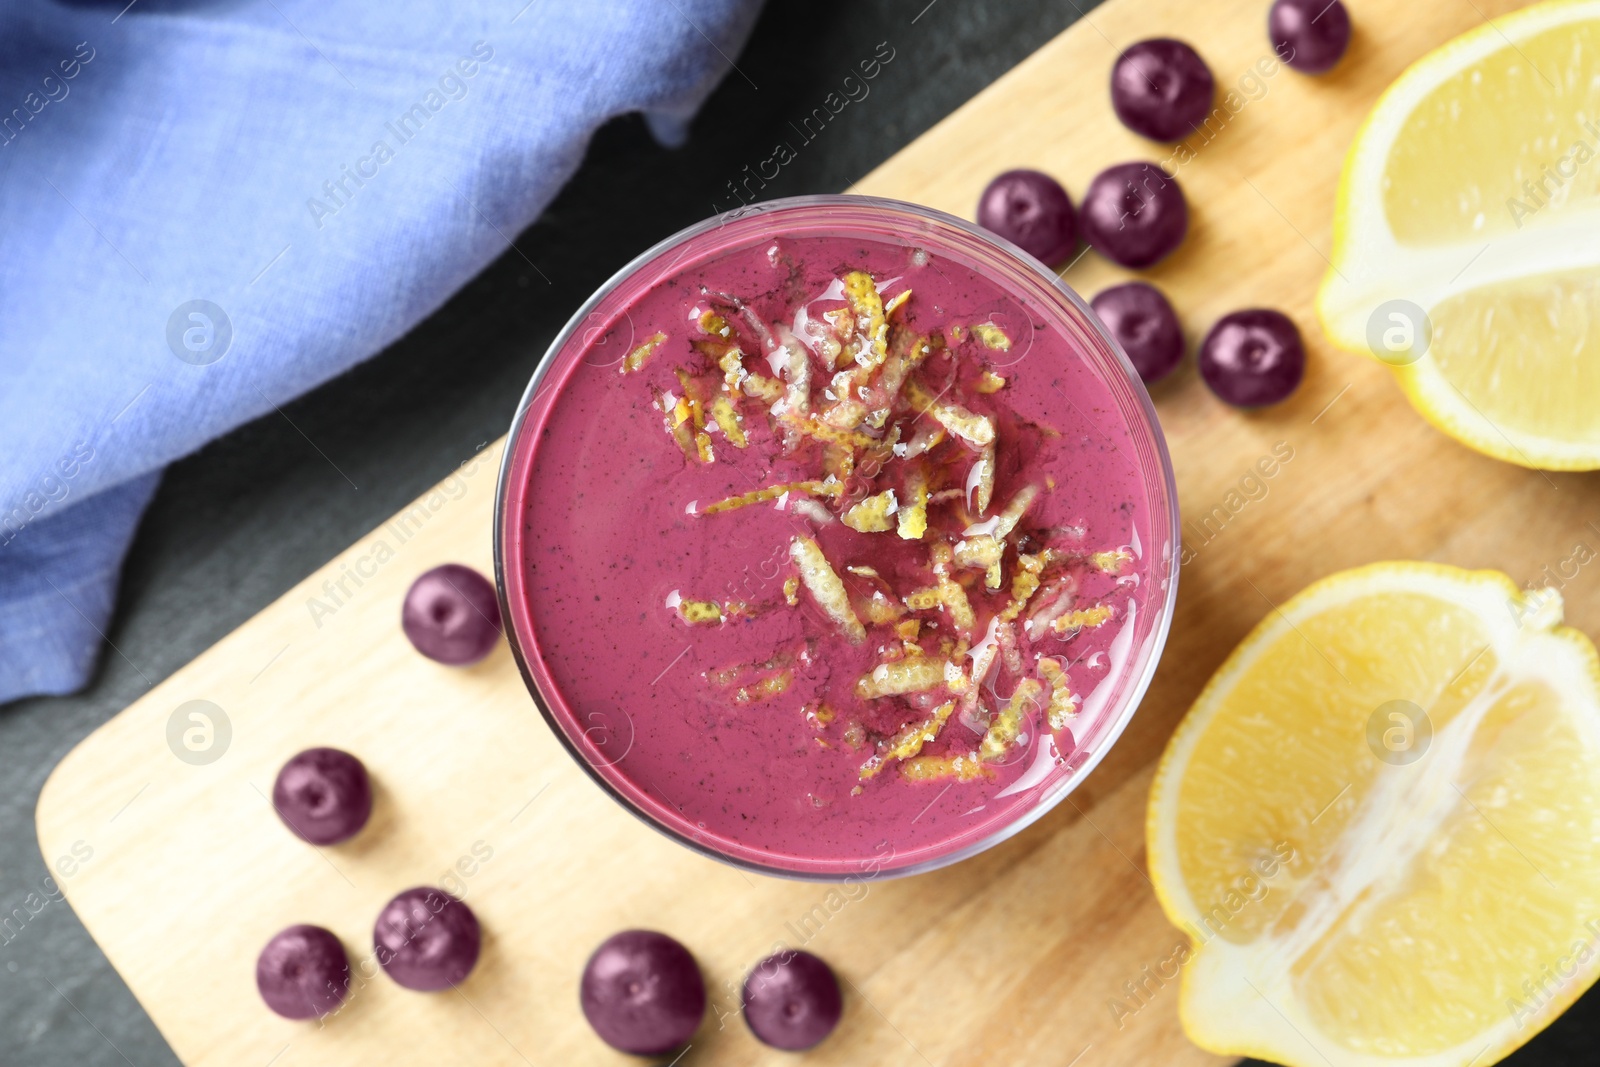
(426, 939)
(642, 992)
(1162, 89)
(1144, 324)
(1134, 214)
(1309, 35)
(323, 795)
(1033, 212)
(303, 972)
(451, 615)
(1252, 358)
(792, 1000)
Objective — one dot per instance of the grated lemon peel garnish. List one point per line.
(824, 340)
(1024, 583)
(679, 422)
(697, 415)
(768, 390)
(843, 321)
(736, 378)
(904, 357)
(914, 674)
(773, 492)
(822, 431)
(929, 435)
(881, 610)
(983, 552)
(846, 397)
(1063, 703)
(989, 382)
(765, 689)
(1007, 725)
(1007, 520)
(1081, 619)
(796, 373)
(1010, 652)
(826, 587)
(636, 359)
(715, 325)
(909, 741)
(699, 612)
(965, 768)
(862, 292)
(1112, 562)
(875, 514)
(911, 522)
(818, 714)
(973, 429)
(951, 593)
(992, 337)
(729, 421)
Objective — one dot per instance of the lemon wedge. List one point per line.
(1466, 248)
(1379, 825)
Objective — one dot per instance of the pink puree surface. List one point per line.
(608, 537)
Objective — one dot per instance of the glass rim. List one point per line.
(1137, 682)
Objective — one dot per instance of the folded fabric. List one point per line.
(212, 207)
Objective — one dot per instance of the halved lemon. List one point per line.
(1466, 249)
(1379, 825)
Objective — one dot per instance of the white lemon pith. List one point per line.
(1472, 195)
(1370, 886)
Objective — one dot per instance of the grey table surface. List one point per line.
(239, 522)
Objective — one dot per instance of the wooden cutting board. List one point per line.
(1016, 956)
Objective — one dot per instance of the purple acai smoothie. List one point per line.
(831, 550)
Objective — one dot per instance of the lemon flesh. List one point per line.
(1472, 193)
(1364, 889)
(1472, 148)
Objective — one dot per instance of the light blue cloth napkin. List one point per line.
(208, 208)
